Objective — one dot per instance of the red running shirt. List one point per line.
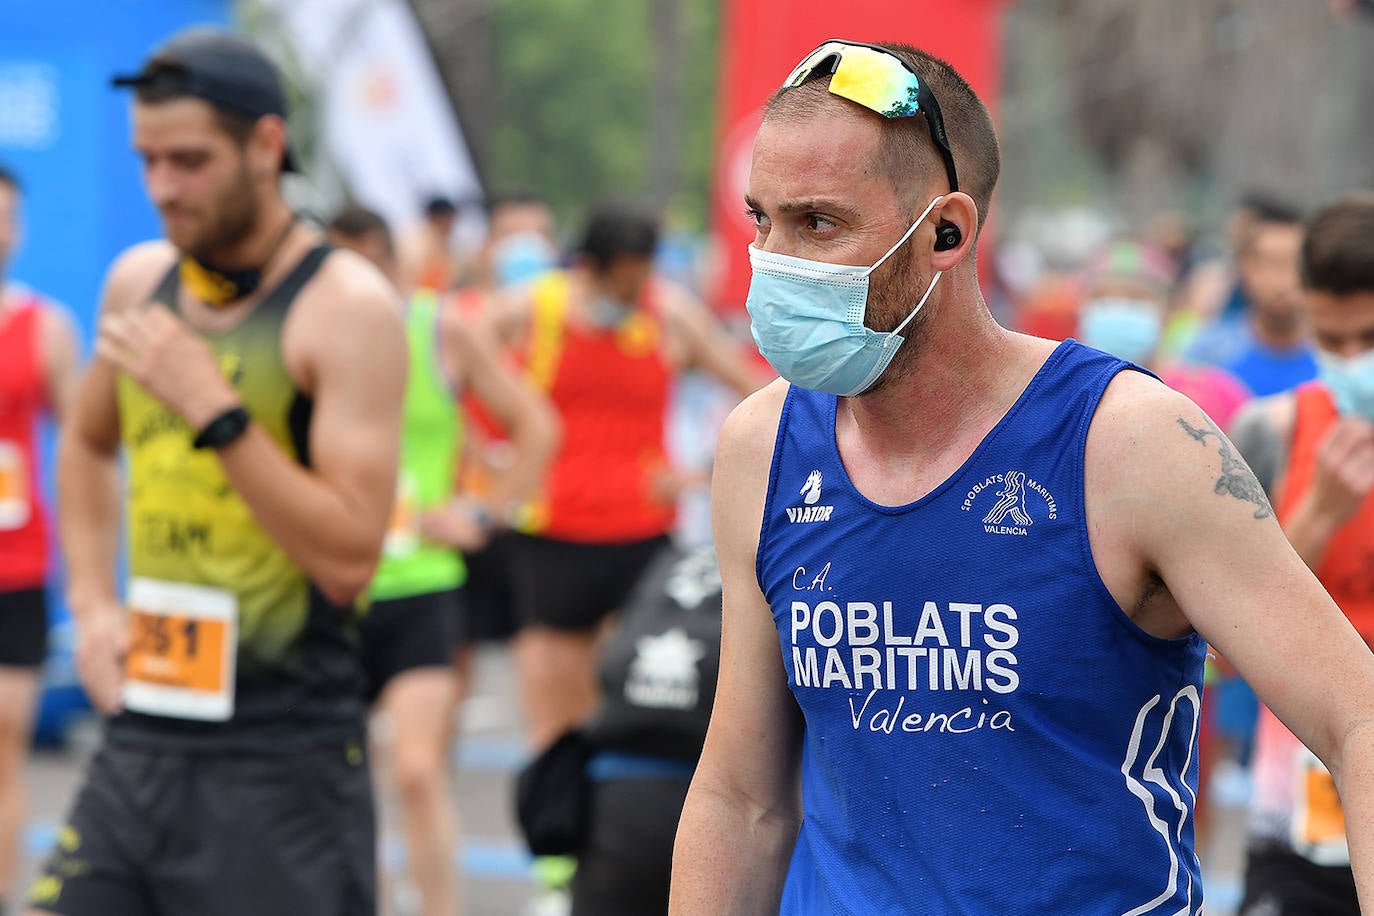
(1294, 802)
(1347, 570)
(610, 388)
(23, 528)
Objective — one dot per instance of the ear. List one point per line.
(267, 145)
(959, 211)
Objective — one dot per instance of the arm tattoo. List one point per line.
(1236, 477)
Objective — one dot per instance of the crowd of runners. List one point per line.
(966, 586)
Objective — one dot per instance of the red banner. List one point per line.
(764, 39)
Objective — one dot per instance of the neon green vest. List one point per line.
(430, 445)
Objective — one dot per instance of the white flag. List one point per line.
(386, 121)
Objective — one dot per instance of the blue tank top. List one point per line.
(986, 732)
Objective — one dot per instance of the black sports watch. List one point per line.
(223, 429)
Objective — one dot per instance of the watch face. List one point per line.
(223, 429)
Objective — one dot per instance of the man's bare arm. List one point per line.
(1261, 432)
(1189, 510)
(525, 413)
(1341, 480)
(345, 347)
(88, 489)
(742, 814)
(61, 360)
(330, 517)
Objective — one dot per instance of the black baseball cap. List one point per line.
(226, 70)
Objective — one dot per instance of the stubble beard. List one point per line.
(890, 299)
(234, 216)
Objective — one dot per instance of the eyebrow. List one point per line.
(808, 205)
(184, 150)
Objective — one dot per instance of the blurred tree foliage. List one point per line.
(583, 111)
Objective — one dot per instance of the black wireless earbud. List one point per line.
(947, 236)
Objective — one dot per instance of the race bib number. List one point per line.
(1318, 818)
(14, 487)
(182, 650)
(403, 532)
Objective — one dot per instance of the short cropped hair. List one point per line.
(616, 231)
(1266, 207)
(9, 179)
(1266, 211)
(1338, 247)
(909, 154)
(356, 222)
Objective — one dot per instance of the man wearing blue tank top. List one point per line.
(970, 575)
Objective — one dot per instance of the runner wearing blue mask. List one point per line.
(969, 575)
(1314, 449)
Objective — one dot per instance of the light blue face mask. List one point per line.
(520, 258)
(1350, 379)
(1126, 328)
(807, 318)
(607, 312)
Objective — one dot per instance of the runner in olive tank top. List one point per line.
(251, 378)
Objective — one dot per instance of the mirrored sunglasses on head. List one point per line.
(879, 80)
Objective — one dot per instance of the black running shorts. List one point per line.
(419, 631)
(154, 832)
(627, 857)
(23, 628)
(572, 586)
(1279, 882)
(488, 598)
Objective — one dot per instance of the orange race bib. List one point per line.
(1318, 818)
(182, 650)
(14, 487)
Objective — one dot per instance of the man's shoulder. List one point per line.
(748, 436)
(135, 273)
(15, 294)
(346, 283)
(1151, 453)
(1136, 418)
(744, 460)
(1136, 393)
(56, 327)
(345, 307)
(756, 416)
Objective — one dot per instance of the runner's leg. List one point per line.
(23, 644)
(18, 695)
(557, 671)
(419, 703)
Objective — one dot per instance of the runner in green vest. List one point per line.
(431, 440)
(416, 620)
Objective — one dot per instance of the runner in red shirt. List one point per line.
(1313, 448)
(37, 370)
(604, 339)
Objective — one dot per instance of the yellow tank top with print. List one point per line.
(296, 672)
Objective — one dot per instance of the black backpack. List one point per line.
(658, 669)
